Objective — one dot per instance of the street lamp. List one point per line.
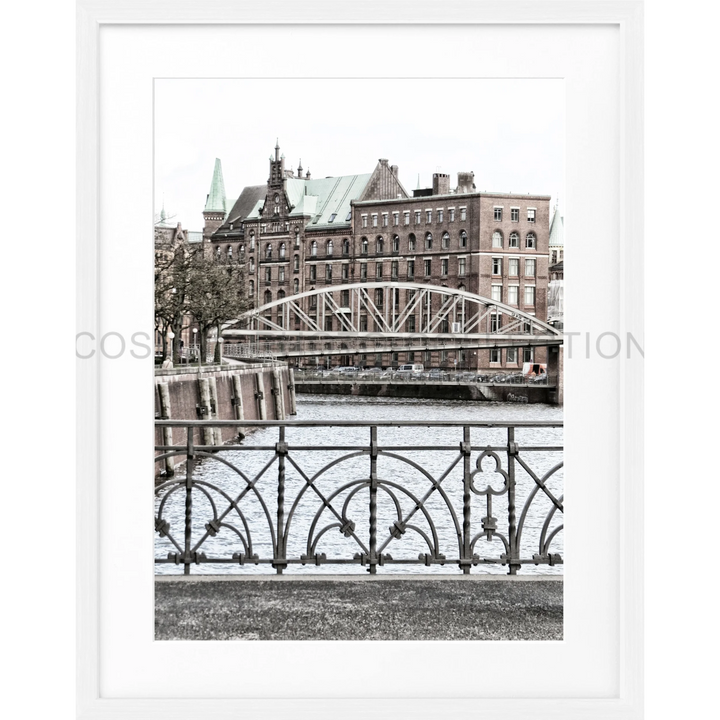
(195, 343)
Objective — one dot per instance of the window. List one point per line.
(406, 216)
(363, 271)
(364, 221)
(345, 298)
(384, 219)
(497, 266)
(252, 241)
(411, 269)
(313, 273)
(374, 220)
(251, 288)
(511, 356)
(530, 240)
(451, 214)
(332, 218)
(461, 267)
(428, 241)
(513, 267)
(345, 269)
(411, 243)
(394, 270)
(428, 268)
(396, 243)
(527, 354)
(513, 294)
(282, 250)
(530, 268)
(515, 214)
(396, 219)
(378, 271)
(268, 274)
(379, 246)
(497, 239)
(328, 271)
(379, 297)
(268, 297)
(529, 295)
(497, 214)
(363, 323)
(313, 248)
(268, 251)
(495, 356)
(496, 293)
(364, 246)
(463, 239)
(444, 266)
(411, 324)
(417, 217)
(345, 247)
(463, 214)
(296, 263)
(281, 296)
(445, 240)
(296, 286)
(329, 248)
(297, 237)
(252, 265)
(229, 252)
(440, 213)
(444, 325)
(281, 274)
(328, 324)
(313, 302)
(514, 240)
(495, 322)
(531, 215)
(428, 216)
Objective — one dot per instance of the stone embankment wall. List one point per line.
(430, 391)
(235, 392)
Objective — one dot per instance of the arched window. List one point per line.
(241, 248)
(445, 240)
(428, 241)
(329, 248)
(282, 250)
(411, 242)
(252, 265)
(268, 297)
(364, 246)
(396, 243)
(297, 237)
(229, 252)
(461, 287)
(281, 295)
(514, 240)
(296, 262)
(379, 245)
(268, 251)
(313, 248)
(497, 239)
(463, 239)
(345, 247)
(296, 286)
(252, 239)
(530, 240)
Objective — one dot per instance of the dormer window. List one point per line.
(332, 218)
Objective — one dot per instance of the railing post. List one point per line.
(513, 560)
(188, 500)
(466, 559)
(373, 501)
(280, 561)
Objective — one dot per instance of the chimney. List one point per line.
(394, 169)
(441, 184)
(466, 182)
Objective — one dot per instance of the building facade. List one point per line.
(297, 233)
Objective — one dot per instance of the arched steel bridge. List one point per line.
(429, 317)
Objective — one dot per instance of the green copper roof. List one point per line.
(216, 198)
(557, 230)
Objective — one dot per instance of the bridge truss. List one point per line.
(386, 317)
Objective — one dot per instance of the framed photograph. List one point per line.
(555, 86)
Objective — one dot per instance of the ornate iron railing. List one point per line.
(282, 504)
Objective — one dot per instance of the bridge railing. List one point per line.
(428, 377)
(414, 493)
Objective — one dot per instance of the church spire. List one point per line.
(216, 197)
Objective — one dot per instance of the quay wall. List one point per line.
(259, 391)
(433, 391)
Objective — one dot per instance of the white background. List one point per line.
(588, 663)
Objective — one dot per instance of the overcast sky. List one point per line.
(510, 133)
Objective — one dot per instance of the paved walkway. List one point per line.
(359, 608)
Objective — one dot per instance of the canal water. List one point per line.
(337, 491)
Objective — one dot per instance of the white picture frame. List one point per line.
(626, 19)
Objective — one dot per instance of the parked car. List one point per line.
(411, 368)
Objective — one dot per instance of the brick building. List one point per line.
(297, 233)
